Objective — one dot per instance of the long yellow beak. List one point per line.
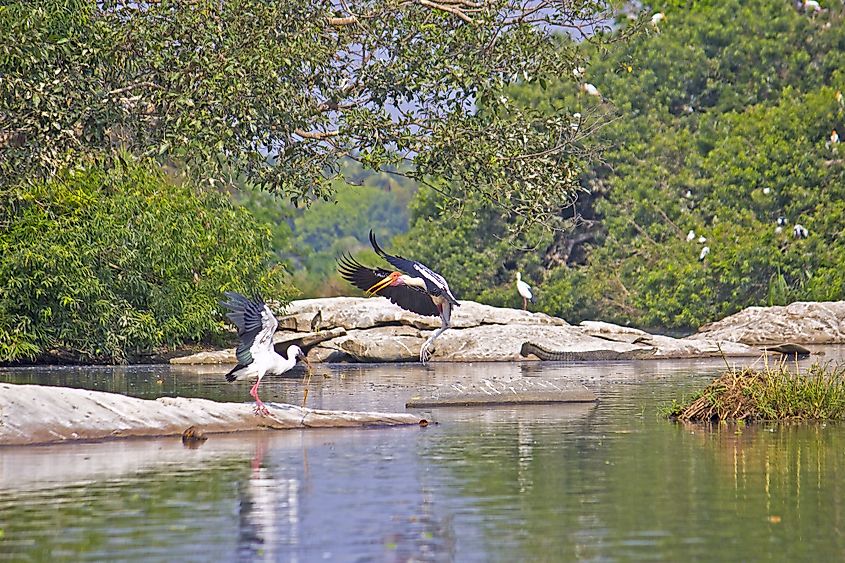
(380, 285)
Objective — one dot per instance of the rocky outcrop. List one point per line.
(375, 330)
(36, 414)
(362, 313)
(801, 322)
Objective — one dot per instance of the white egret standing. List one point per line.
(413, 286)
(690, 235)
(524, 290)
(256, 357)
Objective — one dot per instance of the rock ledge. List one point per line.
(362, 329)
(37, 414)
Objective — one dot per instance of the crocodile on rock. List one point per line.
(583, 355)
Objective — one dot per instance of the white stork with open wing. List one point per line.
(413, 286)
(256, 357)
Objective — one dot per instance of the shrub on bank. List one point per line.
(100, 264)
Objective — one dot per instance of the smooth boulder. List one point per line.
(801, 322)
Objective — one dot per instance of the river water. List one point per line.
(598, 482)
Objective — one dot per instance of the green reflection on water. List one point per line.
(156, 514)
(607, 481)
(642, 488)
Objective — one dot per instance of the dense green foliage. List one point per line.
(773, 393)
(309, 240)
(101, 265)
(288, 89)
(723, 117)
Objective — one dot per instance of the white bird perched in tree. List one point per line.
(256, 357)
(767, 191)
(524, 290)
(812, 6)
(798, 231)
(834, 137)
(690, 235)
(657, 18)
(704, 252)
(702, 239)
(590, 90)
(578, 71)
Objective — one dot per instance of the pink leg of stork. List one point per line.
(259, 406)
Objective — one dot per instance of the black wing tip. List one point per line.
(375, 244)
(232, 375)
(347, 266)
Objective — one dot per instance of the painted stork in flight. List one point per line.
(412, 286)
(256, 357)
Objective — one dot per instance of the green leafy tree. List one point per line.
(103, 265)
(719, 121)
(286, 90)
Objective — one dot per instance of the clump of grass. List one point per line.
(773, 393)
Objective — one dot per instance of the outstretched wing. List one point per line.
(402, 264)
(434, 282)
(364, 278)
(256, 325)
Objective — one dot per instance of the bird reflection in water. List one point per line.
(525, 438)
(269, 513)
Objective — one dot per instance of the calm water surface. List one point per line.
(604, 482)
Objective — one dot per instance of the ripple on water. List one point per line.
(603, 481)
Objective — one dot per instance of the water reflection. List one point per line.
(268, 511)
(607, 481)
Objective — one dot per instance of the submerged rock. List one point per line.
(36, 414)
(522, 391)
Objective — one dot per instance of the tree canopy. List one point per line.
(724, 120)
(283, 91)
(97, 98)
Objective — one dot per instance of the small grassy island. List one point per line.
(775, 393)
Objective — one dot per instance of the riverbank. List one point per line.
(356, 329)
